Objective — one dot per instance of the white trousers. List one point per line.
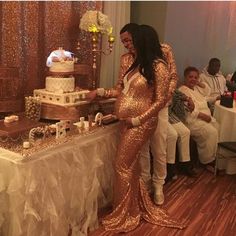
(206, 137)
(158, 146)
(180, 134)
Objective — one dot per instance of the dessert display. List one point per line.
(27, 137)
(16, 127)
(32, 108)
(60, 100)
(60, 97)
(11, 118)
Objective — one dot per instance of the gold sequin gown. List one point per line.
(131, 201)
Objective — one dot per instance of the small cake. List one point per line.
(60, 61)
(60, 99)
(10, 119)
(62, 66)
(60, 87)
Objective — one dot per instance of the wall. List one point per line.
(199, 31)
(151, 13)
(119, 15)
(196, 31)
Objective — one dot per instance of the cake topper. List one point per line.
(59, 55)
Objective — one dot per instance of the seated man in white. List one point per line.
(180, 134)
(212, 76)
(203, 127)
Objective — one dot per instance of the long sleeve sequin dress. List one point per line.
(136, 99)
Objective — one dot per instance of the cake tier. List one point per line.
(60, 84)
(83, 108)
(62, 66)
(62, 99)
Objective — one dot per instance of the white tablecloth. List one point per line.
(226, 117)
(58, 187)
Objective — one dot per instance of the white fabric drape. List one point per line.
(64, 185)
(198, 31)
(119, 14)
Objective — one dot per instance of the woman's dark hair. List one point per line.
(190, 69)
(148, 49)
(130, 27)
(233, 79)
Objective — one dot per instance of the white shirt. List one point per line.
(199, 102)
(217, 84)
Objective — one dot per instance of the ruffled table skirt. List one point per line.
(57, 188)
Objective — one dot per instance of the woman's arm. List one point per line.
(125, 62)
(169, 58)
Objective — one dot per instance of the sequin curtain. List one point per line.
(31, 30)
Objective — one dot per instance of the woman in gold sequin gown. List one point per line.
(139, 98)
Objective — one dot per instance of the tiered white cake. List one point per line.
(60, 85)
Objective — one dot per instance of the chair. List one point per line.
(229, 146)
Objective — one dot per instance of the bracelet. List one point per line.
(100, 92)
(135, 121)
(107, 93)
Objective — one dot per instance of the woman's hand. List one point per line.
(91, 95)
(127, 122)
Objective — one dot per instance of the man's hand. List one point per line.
(91, 95)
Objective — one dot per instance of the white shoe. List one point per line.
(175, 177)
(159, 195)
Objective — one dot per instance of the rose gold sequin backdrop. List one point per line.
(31, 30)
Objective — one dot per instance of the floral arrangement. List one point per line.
(95, 21)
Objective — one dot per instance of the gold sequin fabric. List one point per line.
(125, 62)
(169, 58)
(131, 200)
(30, 30)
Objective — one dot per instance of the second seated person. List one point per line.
(216, 82)
(203, 127)
(144, 92)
